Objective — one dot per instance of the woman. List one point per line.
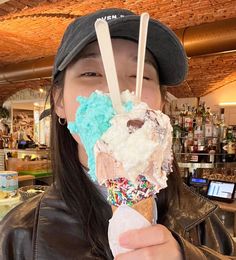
(70, 220)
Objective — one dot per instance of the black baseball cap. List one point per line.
(161, 42)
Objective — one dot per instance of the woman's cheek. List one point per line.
(71, 111)
(153, 99)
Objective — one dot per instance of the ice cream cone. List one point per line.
(145, 207)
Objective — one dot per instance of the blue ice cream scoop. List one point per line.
(91, 121)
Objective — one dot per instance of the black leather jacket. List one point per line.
(43, 229)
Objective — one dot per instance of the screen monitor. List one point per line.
(198, 181)
(221, 190)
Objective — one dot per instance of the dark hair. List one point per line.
(81, 195)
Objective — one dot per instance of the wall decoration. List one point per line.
(23, 124)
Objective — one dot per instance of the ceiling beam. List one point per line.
(205, 39)
(3, 1)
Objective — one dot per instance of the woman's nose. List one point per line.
(126, 83)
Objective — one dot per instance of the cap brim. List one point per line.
(161, 42)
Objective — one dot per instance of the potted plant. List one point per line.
(4, 113)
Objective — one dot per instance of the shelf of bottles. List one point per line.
(201, 139)
(201, 136)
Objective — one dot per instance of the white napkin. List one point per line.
(124, 218)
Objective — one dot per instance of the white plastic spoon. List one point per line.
(105, 45)
(143, 28)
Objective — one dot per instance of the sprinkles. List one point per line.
(123, 191)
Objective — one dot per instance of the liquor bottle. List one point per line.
(188, 119)
(215, 126)
(230, 145)
(222, 124)
(181, 116)
(177, 146)
(190, 144)
(198, 114)
(175, 112)
(176, 128)
(201, 149)
(199, 135)
(11, 142)
(198, 131)
(194, 152)
(223, 146)
(203, 110)
(208, 123)
(216, 145)
(194, 113)
(185, 149)
(211, 150)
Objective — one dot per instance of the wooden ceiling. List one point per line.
(32, 29)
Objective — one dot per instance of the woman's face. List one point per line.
(87, 75)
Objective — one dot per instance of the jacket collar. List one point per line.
(192, 210)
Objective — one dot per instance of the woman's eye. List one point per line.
(90, 74)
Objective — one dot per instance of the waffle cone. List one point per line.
(145, 207)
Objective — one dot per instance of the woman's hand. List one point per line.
(155, 242)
